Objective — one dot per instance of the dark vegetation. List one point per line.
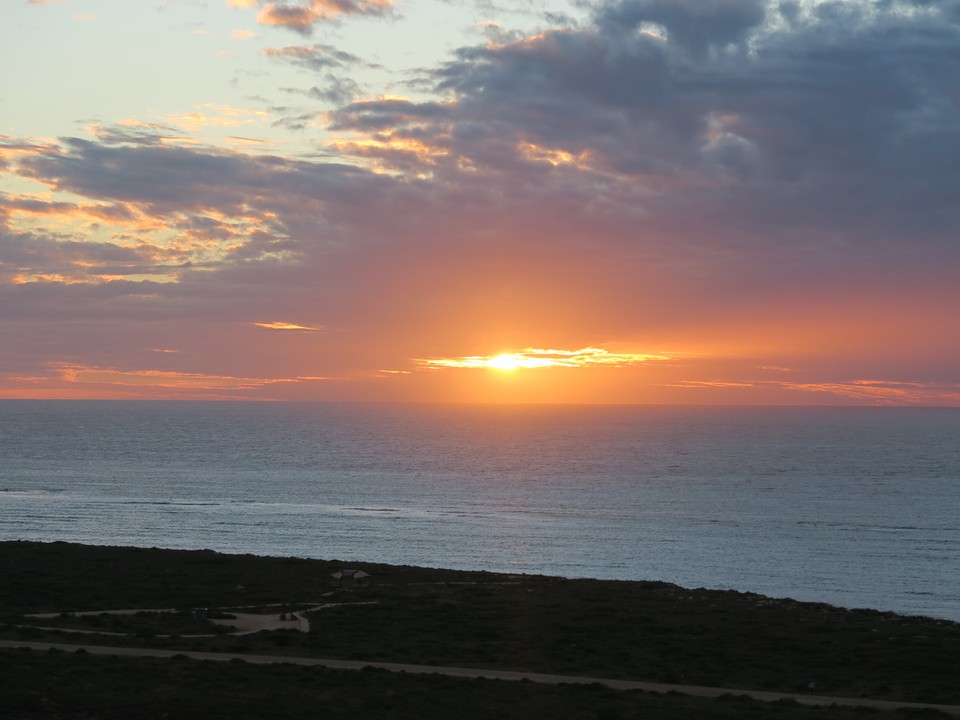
(636, 630)
(77, 686)
(142, 624)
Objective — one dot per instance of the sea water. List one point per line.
(858, 507)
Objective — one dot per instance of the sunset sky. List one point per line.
(642, 201)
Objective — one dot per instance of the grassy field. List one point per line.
(634, 630)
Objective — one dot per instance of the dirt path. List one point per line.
(249, 623)
(488, 674)
(244, 623)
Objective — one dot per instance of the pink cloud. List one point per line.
(301, 18)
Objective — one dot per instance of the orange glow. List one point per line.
(512, 361)
(531, 358)
(538, 153)
(16, 151)
(119, 215)
(217, 115)
(301, 17)
(288, 326)
(58, 278)
(882, 392)
(379, 150)
(249, 143)
(168, 379)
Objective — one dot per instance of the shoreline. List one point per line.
(795, 598)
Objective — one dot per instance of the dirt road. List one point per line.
(488, 674)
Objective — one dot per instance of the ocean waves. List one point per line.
(831, 504)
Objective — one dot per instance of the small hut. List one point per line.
(348, 579)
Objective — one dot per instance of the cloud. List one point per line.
(171, 179)
(168, 379)
(137, 132)
(297, 122)
(13, 148)
(532, 358)
(754, 184)
(312, 57)
(152, 211)
(302, 17)
(216, 115)
(297, 18)
(243, 34)
(337, 91)
(16, 205)
(695, 26)
(884, 392)
(278, 325)
(28, 258)
(387, 113)
(245, 142)
(739, 115)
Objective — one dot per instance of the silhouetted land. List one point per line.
(634, 630)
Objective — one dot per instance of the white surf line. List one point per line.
(661, 688)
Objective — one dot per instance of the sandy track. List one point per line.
(488, 674)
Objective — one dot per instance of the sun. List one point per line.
(507, 362)
(532, 358)
(525, 360)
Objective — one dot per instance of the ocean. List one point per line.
(857, 507)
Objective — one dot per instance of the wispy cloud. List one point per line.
(169, 379)
(884, 392)
(312, 57)
(532, 358)
(712, 384)
(217, 115)
(238, 141)
(289, 326)
(139, 132)
(303, 16)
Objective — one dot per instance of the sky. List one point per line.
(583, 201)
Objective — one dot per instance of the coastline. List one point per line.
(632, 631)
